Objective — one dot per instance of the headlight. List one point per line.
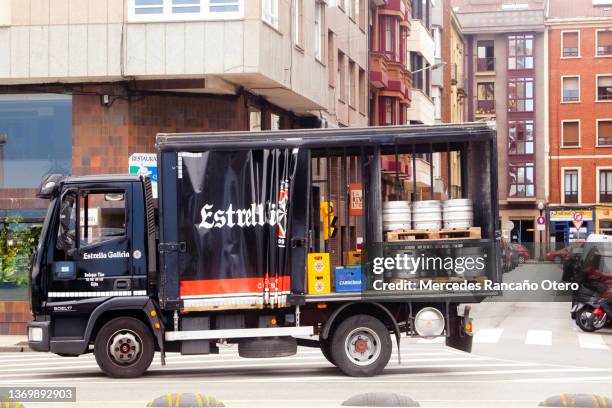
(35, 334)
(429, 322)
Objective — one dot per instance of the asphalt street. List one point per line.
(523, 353)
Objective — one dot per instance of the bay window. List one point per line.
(520, 95)
(520, 137)
(521, 180)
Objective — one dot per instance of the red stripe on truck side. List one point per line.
(235, 285)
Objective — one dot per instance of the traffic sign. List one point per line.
(577, 219)
(541, 223)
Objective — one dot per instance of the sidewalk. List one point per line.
(10, 343)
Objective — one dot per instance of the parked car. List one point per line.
(521, 251)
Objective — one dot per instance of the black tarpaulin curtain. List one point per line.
(234, 220)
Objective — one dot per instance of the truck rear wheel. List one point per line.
(124, 348)
(361, 346)
(326, 350)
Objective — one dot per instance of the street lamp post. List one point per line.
(541, 247)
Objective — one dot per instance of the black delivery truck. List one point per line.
(270, 240)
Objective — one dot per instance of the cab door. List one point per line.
(93, 250)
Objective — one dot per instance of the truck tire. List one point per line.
(326, 350)
(124, 348)
(361, 346)
(267, 347)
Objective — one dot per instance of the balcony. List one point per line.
(421, 108)
(485, 64)
(485, 107)
(378, 70)
(421, 41)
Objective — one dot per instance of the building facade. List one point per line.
(390, 82)
(506, 83)
(86, 83)
(580, 117)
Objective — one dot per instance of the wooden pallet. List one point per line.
(434, 235)
(461, 233)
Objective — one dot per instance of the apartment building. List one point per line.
(421, 56)
(506, 83)
(86, 83)
(580, 117)
(390, 82)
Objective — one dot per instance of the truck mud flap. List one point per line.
(460, 338)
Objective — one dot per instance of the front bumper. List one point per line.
(38, 335)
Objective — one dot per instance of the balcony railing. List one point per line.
(604, 50)
(485, 107)
(571, 197)
(604, 141)
(605, 196)
(485, 64)
(570, 51)
(570, 95)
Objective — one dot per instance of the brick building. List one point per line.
(506, 83)
(580, 117)
(86, 83)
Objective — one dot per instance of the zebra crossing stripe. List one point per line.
(592, 341)
(488, 336)
(539, 337)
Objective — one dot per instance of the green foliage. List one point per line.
(17, 243)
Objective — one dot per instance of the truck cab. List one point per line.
(93, 248)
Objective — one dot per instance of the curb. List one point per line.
(17, 348)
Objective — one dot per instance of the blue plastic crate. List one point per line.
(348, 278)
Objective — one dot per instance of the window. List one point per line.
(360, 13)
(318, 31)
(570, 44)
(416, 67)
(520, 95)
(270, 12)
(520, 137)
(341, 77)
(520, 51)
(388, 110)
(331, 53)
(485, 56)
(604, 88)
(390, 44)
(604, 42)
(35, 138)
(605, 186)
(521, 180)
(363, 93)
(571, 89)
(570, 186)
(570, 133)
(351, 84)
(604, 132)
(102, 217)
(485, 104)
(297, 22)
(421, 11)
(181, 10)
(351, 8)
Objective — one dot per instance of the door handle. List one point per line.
(122, 284)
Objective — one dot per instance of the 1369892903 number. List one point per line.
(38, 394)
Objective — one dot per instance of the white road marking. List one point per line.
(488, 336)
(539, 337)
(592, 341)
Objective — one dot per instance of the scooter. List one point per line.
(592, 313)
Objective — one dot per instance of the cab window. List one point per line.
(103, 217)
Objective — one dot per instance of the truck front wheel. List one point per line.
(361, 346)
(124, 348)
